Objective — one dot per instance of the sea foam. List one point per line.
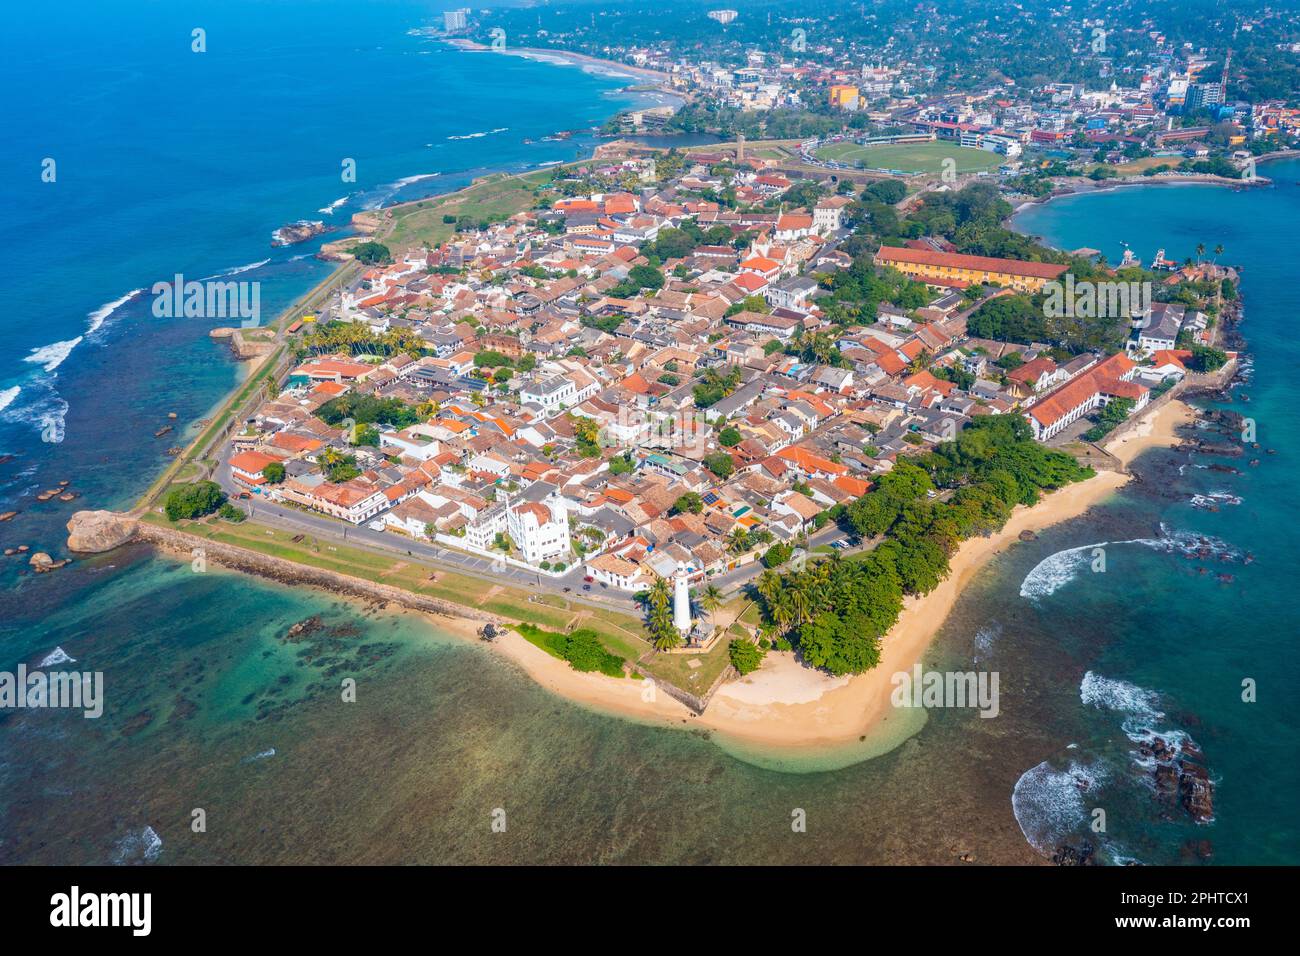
(143, 846)
(52, 356)
(96, 318)
(1048, 802)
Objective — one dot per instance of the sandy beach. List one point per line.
(848, 710)
(1154, 429)
(562, 56)
(785, 705)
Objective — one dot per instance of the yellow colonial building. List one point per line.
(951, 270)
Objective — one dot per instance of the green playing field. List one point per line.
(912, 157)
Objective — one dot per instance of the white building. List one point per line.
(540, 529)
(828, 215)
(551, 394)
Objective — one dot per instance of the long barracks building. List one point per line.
(953, 270)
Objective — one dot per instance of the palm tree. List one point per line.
(660, 616)
(659, 591)
(1200, 252)
(711, 598)
(799, 596)
(1218, 251)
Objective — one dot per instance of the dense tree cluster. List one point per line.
(367, 410)
(193, 500)
(838, 609)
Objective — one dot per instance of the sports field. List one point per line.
(912, 157)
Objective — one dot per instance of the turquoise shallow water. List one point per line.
(213, 704)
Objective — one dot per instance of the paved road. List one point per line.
(437, 555)
(430, 553)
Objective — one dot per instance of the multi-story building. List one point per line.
(948, 269)
(1110, 379)
(538, 523)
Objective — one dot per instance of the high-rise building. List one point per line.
(845, 97)
(454, 20)
(723, 16)
(1204, 95)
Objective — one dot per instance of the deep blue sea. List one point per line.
(167, 161)
(170, 161)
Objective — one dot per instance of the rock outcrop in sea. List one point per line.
(94, 531)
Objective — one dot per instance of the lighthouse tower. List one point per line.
(681, 604)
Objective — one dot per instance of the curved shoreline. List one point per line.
(784, 709)
(800, 711)
(1088, 187)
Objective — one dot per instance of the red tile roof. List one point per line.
(926, 257)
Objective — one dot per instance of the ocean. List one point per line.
(225, 736)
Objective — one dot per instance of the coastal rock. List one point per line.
(96, 531)
(42, 562)
(1066, 855)
(296, 232)
(8, 516)
(367, 222)
(1195, 791)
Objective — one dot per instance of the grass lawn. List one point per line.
(1138, 166)
(912, 157)
(621, 633)
(676, 669)
(495, 198)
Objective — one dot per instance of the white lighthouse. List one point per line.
(681, 604)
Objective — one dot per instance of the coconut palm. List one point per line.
(711, 598)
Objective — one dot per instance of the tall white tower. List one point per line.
(681, 604)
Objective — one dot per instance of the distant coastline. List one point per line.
(540, 53)
(1082, 186)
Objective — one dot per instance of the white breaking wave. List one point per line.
(1215, 498)
(57, 656)
(237, 270)
(51, 356)
(45, 410)
(1141, 714)
(1057, 570)
(329, 210)
(1109, 693)
(407, 180)
(499, 129)
(7, 396)
(1048, 802)
(108, 308)
(142, 847)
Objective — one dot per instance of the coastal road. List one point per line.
(426, 552)
(439, 556)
